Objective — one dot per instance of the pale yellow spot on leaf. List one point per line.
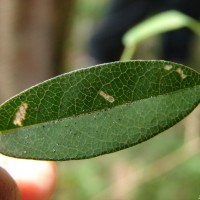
(181, 73)
(168, 67)
(20, 114)
(107, 97)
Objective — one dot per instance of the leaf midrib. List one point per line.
(97, 111)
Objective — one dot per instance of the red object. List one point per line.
(35, 179)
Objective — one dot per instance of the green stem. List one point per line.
(194, 25)
(128, 52)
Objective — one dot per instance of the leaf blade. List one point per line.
(85, 134)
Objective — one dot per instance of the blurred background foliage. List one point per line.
(41, 39)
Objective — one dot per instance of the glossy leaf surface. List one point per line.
(98, 110)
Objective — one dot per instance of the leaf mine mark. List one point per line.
(107, 97)
(20, 114)
(168, 67)
(181, 73)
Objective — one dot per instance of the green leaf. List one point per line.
(98, 110)
(160, 23)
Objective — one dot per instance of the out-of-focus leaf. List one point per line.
(160, 23)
